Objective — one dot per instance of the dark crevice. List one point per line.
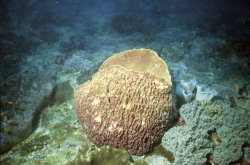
(214, 137)
(126, 102)
(242, 160)
(46, 102)
(210, 159)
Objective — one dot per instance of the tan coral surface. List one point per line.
(124, 108)
(140, 60)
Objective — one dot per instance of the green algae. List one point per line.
(38, 143)
(62, 93)
(140, 162)
(160, 150)
(103, 156)
(159, 156)
(59, 139)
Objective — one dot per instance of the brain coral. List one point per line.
(128, 101)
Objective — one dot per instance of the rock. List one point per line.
(188, 89)
(30, 92)
(242, 96)
(156, 159)
(205, 93)
(185, 91)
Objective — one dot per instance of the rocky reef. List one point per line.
(48, 48)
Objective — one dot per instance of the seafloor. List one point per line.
(50, 47)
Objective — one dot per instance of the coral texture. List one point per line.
(212, 129)
(140, 60)
(125, 108)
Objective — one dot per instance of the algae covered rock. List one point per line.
(104, 155)
(128, 102)
(59, 140)
(29, 92)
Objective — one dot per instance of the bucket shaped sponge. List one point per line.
(128, 102)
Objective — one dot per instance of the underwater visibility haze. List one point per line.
(125, 82)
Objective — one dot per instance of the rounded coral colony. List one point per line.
(128, 102)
